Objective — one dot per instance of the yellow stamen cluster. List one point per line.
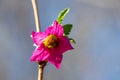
(51, 41)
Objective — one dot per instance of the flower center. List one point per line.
(51, 41)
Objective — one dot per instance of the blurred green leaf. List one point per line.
(62, 14)
(72, 40)
(67, 29)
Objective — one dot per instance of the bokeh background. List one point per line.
(96, 30)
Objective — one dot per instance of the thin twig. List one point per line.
(37, 21)
(41, 66)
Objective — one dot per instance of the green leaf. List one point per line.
(62, 14)
(67, 29)
(72, 40)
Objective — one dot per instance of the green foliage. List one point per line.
(62, 14)
(67, 29)
(72, 40)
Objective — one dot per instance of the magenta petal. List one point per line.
(38, 37)
(64, 45)
(58, 61)
(55, 58)
(57, 53)
(53, 55)
(56, 29)
(40, 54)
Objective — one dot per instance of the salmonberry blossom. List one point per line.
(50, 45)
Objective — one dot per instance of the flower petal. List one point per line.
(55, 29)
(55, 58)
(40, 54)
(53, 55)
(38, 37)
(64, 45)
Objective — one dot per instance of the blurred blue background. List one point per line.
(96, 30)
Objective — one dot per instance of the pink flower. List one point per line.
(50, 45)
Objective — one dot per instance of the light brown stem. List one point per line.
(41, 66)
(37, 21)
